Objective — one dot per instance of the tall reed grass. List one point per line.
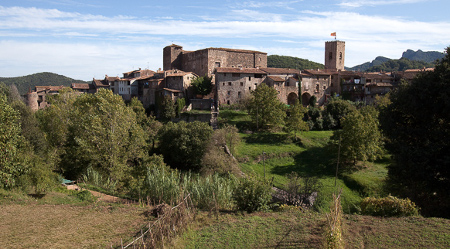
(163, 185)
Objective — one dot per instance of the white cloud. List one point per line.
(361, 3)
(93, 45)
(271, 4)
(79, 61)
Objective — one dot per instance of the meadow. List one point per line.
(61, 219)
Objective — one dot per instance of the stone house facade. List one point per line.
(203, 62)
(316, 83)
(235, 84)
(286, 81)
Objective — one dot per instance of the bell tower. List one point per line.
(334, 55)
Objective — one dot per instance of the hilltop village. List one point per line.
(235, 74)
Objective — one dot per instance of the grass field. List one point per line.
(308, 157)
(48, 223)
(295, 229)
(60, 220)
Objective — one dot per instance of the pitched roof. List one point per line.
(48, 88)
(276, 78)
(79, 86)
(272, 70)
(316, 73)
(99, 83)
(239, 70)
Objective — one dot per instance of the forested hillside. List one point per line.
(24, 83)
(363, 67)
(399, 65)
(281, 61)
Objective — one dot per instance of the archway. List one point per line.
(305, 99)
(291, 98)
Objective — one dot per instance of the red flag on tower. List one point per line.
(333, 34)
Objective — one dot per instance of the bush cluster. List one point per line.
(252, 194)
(388, 206)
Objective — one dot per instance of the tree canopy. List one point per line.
(265, 109)
(10, 140)
(417, 125)
(295, 122)
(360, 136)
(184, 144)
(202, 85)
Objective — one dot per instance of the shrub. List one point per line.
(85, 195)
(252, 194)
(388, 206)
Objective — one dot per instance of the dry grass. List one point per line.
(67, 226)
(408, 232)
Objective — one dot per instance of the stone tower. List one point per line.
(32, 100)
(334, 55)
(172, 57)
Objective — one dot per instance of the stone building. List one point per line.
(203, 62)
(335, 55)
(37, 99)
(285, 81)
(233, 84)
(316, 83)
(127, 86)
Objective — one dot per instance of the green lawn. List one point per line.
(294, 229)
(310, 156)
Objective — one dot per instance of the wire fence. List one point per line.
(170, 221)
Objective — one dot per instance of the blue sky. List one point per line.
(83, 39)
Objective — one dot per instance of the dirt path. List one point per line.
(101, 196)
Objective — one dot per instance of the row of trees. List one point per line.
(98, 133)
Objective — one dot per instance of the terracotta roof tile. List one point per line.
(80, 86)
(276, 78)
(239, 70)
(272, 70)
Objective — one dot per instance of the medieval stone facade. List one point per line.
(236, 73)
(203, 62)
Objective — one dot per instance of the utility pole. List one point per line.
(264, 164)
(337, 165)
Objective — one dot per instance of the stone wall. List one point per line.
(232, 88)
(201, 104)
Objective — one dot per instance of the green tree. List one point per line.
(10, 140)
(338, 108)
(295, 122)
(104, 134)
(167, 109)
(180, 103)
(265, 109)
(149, 124)
(184, 144)
(202, 85)
(360, 136)
(417, 125)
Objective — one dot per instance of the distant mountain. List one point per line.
(399, 65)
(281, 61)
(419, 55)
(365, 66)
(24, 83)
(410, 60)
